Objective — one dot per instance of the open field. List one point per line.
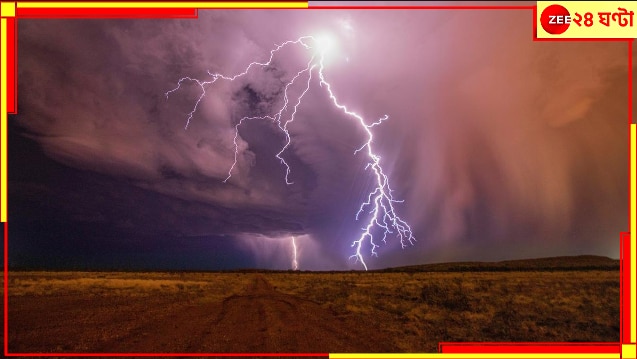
(306, 312)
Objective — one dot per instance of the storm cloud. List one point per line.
(500, 147)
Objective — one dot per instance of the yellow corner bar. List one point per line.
(171, 5)
(3, 120)
(633, 231)
(7, 9)
(628, 351)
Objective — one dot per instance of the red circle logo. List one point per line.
(555, 19)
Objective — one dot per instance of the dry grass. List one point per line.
(422, 309)
(416, 310)
(207, 286)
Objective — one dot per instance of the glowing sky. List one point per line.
(501, 147)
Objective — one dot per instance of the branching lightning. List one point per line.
(379, 205)
(295, 262)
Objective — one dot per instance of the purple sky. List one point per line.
(500, 147)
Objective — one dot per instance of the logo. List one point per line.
(555, 19)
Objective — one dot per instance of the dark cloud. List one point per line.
(500, 146)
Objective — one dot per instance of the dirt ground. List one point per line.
(305, 312)
(258, 320)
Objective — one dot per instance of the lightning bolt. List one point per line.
(295, 263)
(379, 205)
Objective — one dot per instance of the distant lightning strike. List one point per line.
(295, 262)
(380, 201)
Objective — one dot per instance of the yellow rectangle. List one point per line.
(628, 351)
(171, 5)
(597, 29)
(633, 230)
(3, 120)
(7, 9)
(478, 356)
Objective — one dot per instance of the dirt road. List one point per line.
(258, 320)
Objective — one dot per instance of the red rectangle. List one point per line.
(534, 348)
(5, 298)
(11, 69)
(630, 94)
(625, 249)
(625, 261)
(105, 13)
